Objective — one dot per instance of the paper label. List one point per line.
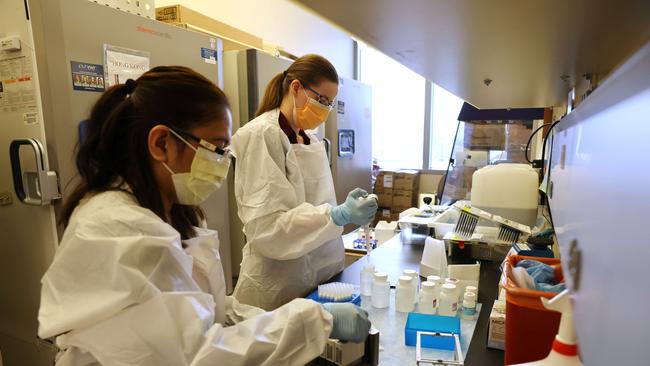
(17, 89)
(209, 55)
(87, 77)
(122, 64)
(30, 118)
(388, 181)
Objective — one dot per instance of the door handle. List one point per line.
(42, 185)
(328, 149)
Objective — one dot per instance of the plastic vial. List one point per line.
(404, 295)
(416, 282)
(428, 301)
(380, 291)
(366, 279)
(448, 305)
(469, 304)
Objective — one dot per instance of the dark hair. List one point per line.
(116, 147)
(309, 69)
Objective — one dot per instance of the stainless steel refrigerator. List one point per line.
(46, 46)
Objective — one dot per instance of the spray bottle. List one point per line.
(368, 272)
(565, 348)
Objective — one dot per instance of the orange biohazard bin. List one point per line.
(530, 328)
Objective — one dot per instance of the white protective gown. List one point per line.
(122, 291)
(284, 193)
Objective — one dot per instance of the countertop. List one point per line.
(394, 256)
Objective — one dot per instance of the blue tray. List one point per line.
(356, 298)
(431, 323)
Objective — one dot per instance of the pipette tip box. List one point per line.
(356, 298)
(417, 322)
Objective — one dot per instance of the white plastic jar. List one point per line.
(404, 295)
(380, 291)
(448, 305)
(469, 304)
(428, 300)
(415, 283)
(455, 282)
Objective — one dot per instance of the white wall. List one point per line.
(282, 23)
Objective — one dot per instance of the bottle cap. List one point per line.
(470, 296)
(410, 272)
(452, 280)
(471, 289)
(448, 287)
(405, 280)
(428, 286)
(433, 278)
(381, 277)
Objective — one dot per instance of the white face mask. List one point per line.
(208, 171)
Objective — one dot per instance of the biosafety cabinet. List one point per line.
(56, 58)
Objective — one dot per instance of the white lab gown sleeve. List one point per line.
(271, 196)
(120, 292)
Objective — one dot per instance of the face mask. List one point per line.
(311, 115)
(208, 171)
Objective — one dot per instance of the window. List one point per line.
(398, 102)
(445, 108)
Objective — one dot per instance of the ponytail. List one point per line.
(309, 69)
(115, 149)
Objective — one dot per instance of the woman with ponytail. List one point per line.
(285, 192)
(137, 278)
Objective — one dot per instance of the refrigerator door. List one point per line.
(247, 73)
(349, 128)
(29, 232)
(62, 32)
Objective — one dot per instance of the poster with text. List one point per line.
(121, 64)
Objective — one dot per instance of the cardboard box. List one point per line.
(497, 326)
(385, 179)
(483, 135)
(384, 197)
(407, 180)
(404, 199)
(187, 18)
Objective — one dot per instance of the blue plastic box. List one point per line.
(356, 298)
(431, 323)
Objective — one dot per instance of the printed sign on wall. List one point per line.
(87, 77)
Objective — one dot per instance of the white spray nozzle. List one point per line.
(562, 303)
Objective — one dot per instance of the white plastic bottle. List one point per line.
(472, 289)
(469, 304)
(415, 283)
(428, 301)
(380, 291)
(404, 295)
(435, 279)
(367, 275)
(448, 305)
(455, 282)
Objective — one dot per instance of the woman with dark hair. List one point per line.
(137, 279)
(285, 192)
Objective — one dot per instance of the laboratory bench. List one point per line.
(393, 256)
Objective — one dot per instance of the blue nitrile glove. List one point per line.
(542, 274)
(528, 263)
(551, 288)
(350, 322)
(354, 210)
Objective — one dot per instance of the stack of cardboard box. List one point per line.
(397, 191)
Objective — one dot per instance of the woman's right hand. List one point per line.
(350, 322)
(355, 210)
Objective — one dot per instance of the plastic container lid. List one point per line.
(470, 296)
(369, 268)
(428, 286)
(381, 277)
(471, 289)
(410, 272)
(448, 287)
(433, 278)
(405, 280)
(451, 280)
